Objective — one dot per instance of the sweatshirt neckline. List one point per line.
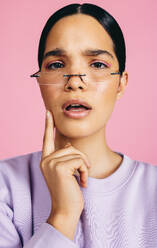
(114, 181)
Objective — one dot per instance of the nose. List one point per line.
(75, 81)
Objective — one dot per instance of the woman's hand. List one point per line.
(58, 168)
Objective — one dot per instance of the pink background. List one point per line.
(132, 127)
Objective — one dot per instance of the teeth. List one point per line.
(76, 110)
(75, 105)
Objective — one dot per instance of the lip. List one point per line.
(76, 114)
(77, 102)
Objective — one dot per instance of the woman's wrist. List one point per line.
(64, 224)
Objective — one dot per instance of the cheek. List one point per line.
(106, 92)
(106, 98)
(49, 95)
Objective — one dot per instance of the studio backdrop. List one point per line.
(132, 126)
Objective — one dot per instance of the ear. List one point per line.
(123, 81)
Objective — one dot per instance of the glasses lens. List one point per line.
(46, 78)
(92, 77)
(98, 75)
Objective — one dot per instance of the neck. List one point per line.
(103, 160)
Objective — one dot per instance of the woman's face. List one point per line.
(76, 34)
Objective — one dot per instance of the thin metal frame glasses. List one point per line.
(37, 75)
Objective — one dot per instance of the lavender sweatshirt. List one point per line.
(120, 210)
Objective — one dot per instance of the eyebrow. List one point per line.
(87, 52)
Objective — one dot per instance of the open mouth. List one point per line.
(76, 107)
(76, 111)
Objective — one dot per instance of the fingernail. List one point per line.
(47, 113)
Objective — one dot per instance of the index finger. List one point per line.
(48, 140)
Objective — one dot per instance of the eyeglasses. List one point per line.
(96, 76)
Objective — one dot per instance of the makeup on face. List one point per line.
(71, 52)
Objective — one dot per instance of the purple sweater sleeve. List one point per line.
(45, 236)
(15, 212)
(8, 234)
(49, 237)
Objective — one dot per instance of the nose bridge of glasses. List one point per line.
(74, 75)
(80, 77)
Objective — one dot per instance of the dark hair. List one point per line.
(102, 16)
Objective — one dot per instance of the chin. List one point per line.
(75, 131)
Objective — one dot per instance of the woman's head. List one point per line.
(73, 44)
(102, 16)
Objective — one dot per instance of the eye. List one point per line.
(99, 65)
(54, 65)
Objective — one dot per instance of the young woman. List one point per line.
(77, 192)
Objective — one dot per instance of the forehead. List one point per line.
(78, 31)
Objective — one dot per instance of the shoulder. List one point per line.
(19, 166)
(16, 177)
(145, 176)
(21, 158)
(146, 169)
